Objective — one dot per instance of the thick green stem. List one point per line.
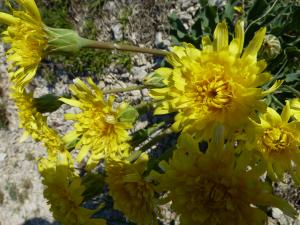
(130, 88)
(122, 47)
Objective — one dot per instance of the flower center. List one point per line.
(29, 47)
(213, 194)
(212, 94)
(276, 139)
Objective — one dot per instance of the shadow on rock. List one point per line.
(38, 221)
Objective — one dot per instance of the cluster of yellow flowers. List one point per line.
(217, 96)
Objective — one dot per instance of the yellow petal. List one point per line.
(163, 71)
(237, 44)
(295, 108)
(179, 81)
(70, 137)
(240, 35)
(71, 102)
(70, 116)
(272, 117)
(7, 18)
(83, 152)
(255, 44)
(274, 87)
(286, 112)
(220, 36)
(31, 7)
(206, 43)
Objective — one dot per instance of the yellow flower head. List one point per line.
(215, 84)
(98, 126)
(64, 192)
(35, 124)
(278, 140)
(25, 33)
(132, 194)
(215, 188)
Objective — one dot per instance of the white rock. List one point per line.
(276, 213)
(117, 31)
(158, 38)
(138, 73)
(2, 157)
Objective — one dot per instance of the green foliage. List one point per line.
(94, 184)
(123, 16)
(1, 197)
(205, 21)
(281, 19)
(55, 13)
(47, 103)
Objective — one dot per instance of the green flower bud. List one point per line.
(64, 40)
(154, 80)
(271, 47)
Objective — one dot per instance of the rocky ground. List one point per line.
(21, 198)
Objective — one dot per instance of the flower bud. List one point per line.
(154, 80)
(64, 40)
(271, 47)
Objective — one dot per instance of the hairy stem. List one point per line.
(123, 47)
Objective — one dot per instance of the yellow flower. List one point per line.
(64, 192)
(215, 84)
(278, 141)
(295, 108)
(35, 124)
(98, 126)
(132, 194)
(215, 188)
(31, 40)
(25, 33)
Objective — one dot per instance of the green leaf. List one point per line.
(257, 10)
(293, 77)
(47, 103)
(94, 184)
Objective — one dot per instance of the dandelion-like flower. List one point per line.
(218, 84)
(215, 188)
(25, 33)
(278, 140)
(64, 192)
(30, 40)
(131, 192)
(35, 124)
(98, 128)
